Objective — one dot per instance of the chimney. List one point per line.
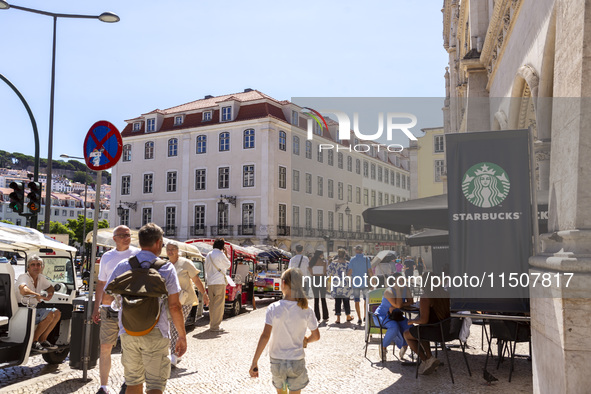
(208, 96)
(247, 90)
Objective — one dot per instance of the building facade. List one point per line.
(241, 166)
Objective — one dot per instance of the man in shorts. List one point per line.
(32, 288)
(103, 311)
(360, 272)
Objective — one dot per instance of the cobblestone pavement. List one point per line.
(336, 364)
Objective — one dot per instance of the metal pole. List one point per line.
(88, 321)
(84, 228)
(534, 192)
(50, 135)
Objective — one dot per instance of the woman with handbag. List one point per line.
(318, 270)
(187, 274)
(389, 316)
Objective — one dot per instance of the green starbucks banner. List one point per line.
(490, 222)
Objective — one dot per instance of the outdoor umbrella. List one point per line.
(383, 256)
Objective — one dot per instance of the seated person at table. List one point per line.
(33, 287)
(434, 307)
(392, 318)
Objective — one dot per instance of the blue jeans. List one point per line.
(394, 330)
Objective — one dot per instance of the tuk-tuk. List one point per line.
(271, 263)
(17, 321)
(242, 262)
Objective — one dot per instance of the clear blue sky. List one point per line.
(165, 53)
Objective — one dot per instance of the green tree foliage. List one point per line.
(6, 221)
(81, 177)
(77, 227)
(57, 228)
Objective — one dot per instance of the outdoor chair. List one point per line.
(448, 330)
(508, 333)
(373, 301)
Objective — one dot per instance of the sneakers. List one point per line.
(47, 345)
(102, 391)
(402, 352)
(174, 360)
(37, 347)
(123, 388)
(429, 366)
(219, 329)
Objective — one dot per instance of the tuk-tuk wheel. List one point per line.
(56, 357)
(236, 306)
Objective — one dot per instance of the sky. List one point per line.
(163, 54)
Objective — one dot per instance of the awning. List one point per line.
(23, 239)
(428, 237)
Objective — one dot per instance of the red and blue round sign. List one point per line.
(103, 146)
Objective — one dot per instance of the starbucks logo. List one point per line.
(485, 185)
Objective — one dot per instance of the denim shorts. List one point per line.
(357, 293)
(42, 313)
(292, 373)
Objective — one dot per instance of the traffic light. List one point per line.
(17, 197)
(34, 197)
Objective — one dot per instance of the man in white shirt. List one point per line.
(108, 317)
(216, 264)
(31, 288)
(302, 262)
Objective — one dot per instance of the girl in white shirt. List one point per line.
(286, 323)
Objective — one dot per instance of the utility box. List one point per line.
(78, 336)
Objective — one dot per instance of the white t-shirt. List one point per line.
(289, 323)
(25, 279)
(295, 263)
(110, 260)
(214, 260)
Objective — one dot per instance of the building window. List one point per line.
(340, 160)
(349, 193)
(124, 221)
(148, 183)
(373, 171)
(170, 217)
(380, 199)
(126, 152)
(330, 187)
(173, 147)
(137, 126)
(223, 216)
(200, 179)
(317, 128)
(341, 228)
(295, 118)
(282, 141)
(146, 216)
(373, 198)
(282, 215)
(320, 219)
(308, 217)
(309, 183)
(248, 215)
(386, 175)
(248, 175)
(357, 166)
(125, 185)
(349, 164)
(320, 185)
(282, 177)
(320, 156)
(358, 195)
(349, 222)
(308, 149)
(380, 174)
(295, 180)
(199, 216)
(392, 177)
(295, 216)
(149, 150)
(403, 181)
(201, 144)
(340, 190)
(330, 158)
(64, 212)
(206, 116)
(408, 183)
(178, 120)
(365, 169)
(438, 143)
(296, 145)
(226, 114)
(171, 181)
(224, 178)
(365, 197)
(224, 141)
(56, 212)
(357, 223)
(397, 179)
(248, 139)
(152, 124)
(386, 199)
(330, 220)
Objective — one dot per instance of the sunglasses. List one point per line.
(123, 235)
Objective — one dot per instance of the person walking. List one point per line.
(342, 293)
(216, 264)
(145, 357)
(420, 266)
(360, 272)
(103, 311)
(286, 322)
(409, 267)
(301, 262)
(188, 275)
(318, 268)
(32, 288)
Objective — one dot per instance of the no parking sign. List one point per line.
(103, 146)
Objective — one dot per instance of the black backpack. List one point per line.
(141, 290)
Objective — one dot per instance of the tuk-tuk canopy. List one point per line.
(23, 239)
(105, 238)
(269, 252)
(234, 251)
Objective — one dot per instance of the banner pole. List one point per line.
(534, 192)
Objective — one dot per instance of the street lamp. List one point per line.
(85, 195)
(107, 17)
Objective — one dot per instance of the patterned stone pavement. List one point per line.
(336, 364)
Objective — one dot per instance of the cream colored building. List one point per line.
(241, 166)
(519, 64)
(427, 164)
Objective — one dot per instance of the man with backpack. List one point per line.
(302, 262)
(143, 282)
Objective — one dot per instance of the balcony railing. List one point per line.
(309, 232)
(169, 231)
(283, 230)
(297, 231)
(247, 230)
(198, 231)
(222, 230)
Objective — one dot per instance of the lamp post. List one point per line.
(85, 196)
(107, 17)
